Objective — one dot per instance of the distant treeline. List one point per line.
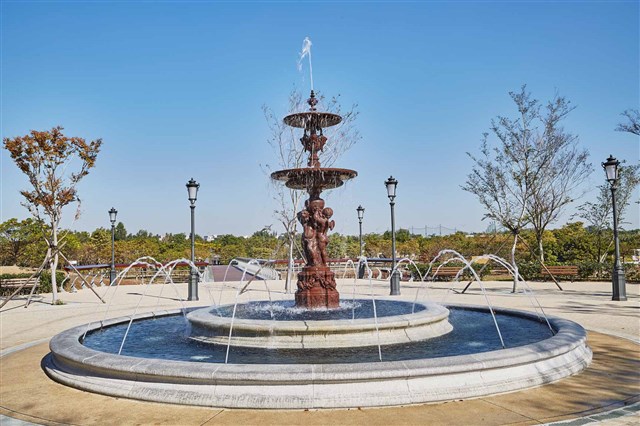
(21, 244)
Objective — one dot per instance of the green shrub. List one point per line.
(45, 281)
(587, 270)
(529, 270)
(632, 273)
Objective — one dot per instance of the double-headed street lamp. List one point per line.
(618, 278)
(192, 188)
(360, 211)
(391, 184)
(113, 213)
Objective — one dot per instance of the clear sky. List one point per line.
(175, 90)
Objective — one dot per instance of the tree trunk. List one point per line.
(287, 284)
(598, 242)
(513, 262)
(54, 263)
(540, 250)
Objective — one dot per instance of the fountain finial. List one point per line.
(312, 101)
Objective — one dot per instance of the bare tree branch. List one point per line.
(633, 122)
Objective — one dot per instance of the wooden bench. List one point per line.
(9, 285)
(499, 270)
(445, 271)
(380, 273)
(561, 271)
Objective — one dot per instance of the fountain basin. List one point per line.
(313, 119)
(303, 386)
(428, 321)
(314, 178)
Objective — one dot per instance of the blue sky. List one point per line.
(175, 90)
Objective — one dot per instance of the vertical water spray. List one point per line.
(306, 51)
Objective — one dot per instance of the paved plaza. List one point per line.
(608, 391)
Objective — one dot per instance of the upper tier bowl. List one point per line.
(317, 119)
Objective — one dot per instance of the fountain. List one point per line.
(316, 351)
(316, 283)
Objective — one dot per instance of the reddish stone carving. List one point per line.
(316, 282)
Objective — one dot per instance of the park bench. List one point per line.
(570, 271)
(499, 270)
(9, 285)
(382, 273)
(445, 271)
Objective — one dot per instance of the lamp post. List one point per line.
(113, 213)
(360, 211)
(192, 188)
(391, 184)
(618, 278)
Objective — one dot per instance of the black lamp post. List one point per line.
(360, 211)
(391, 184)
(113, 213)
(192, 188)
(618, 278)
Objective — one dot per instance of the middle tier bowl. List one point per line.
(314, 177)
(255, 325)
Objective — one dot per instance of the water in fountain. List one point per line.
(142, 261)
(471, 334)
(468, 266)
(167, 269)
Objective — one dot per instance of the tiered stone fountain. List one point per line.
(316, 282)
(319, 356)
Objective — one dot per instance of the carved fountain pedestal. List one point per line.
(316, 282)
(317, 288)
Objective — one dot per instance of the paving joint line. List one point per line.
(213, 417)
(509, 410)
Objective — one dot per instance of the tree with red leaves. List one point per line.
(44, 157)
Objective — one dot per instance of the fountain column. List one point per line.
(316, 282)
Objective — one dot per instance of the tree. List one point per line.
(285, 141)
(120, 232)
(337, 248)
(45, 158)
(574, 243)
(15, 236)
(633, 122)
(563, 168)
(100, 245)
(512, 178)
(502, 177)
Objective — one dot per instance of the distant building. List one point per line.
(209, 238)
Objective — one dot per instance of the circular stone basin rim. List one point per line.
(306, 386)
(425, 316)
(429, 322)
(68, 352)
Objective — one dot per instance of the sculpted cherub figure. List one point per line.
(324, 225)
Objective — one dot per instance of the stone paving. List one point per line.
(607, 392)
